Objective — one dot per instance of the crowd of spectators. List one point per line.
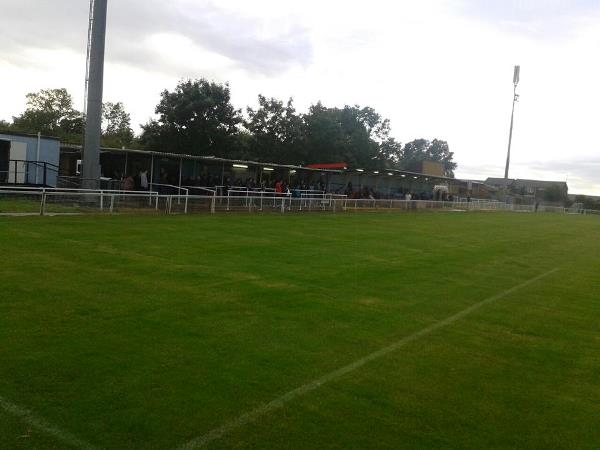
(296, 187)
(367, 192)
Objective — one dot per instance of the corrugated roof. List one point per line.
(18, 133)
(249, 162)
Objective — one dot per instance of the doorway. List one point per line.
(4, 157)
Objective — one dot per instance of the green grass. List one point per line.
(32, 206)
(146, 332)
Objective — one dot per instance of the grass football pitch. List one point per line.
(430, 330)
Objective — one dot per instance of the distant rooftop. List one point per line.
(519, 183)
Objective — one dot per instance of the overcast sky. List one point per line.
(435, 68)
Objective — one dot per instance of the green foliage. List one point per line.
(196, 118)
(554, 194)
(588, 202)
(352, 135)
(50, 112)
(276, 131)
(116, 126)
(419, 150)
(390, 153)
(4, 125)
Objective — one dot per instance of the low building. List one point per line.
(27, 159)
(168, 172)
(533, 190)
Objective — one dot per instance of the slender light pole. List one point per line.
(516, 76)
(94, 85)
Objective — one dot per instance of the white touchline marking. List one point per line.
(43, 426)
(279, 402)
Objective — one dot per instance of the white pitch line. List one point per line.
(41, 425)
(279, 402)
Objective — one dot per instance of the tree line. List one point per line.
(198, 118)
(51, 113)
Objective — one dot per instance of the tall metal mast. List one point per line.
(516, 77)
(87, 59)
(93, 95)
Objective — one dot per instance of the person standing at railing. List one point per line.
(128, 183)
(144, 180)
(278, 187)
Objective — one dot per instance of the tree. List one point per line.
(419, 150)
(50, 111)
(357, 136)
(116, 125)
(196, 118)
(390, 153)
(4, 125)
(554, 193)
(276, 131)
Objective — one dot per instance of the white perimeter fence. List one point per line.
(79, 201)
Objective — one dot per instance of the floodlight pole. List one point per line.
(512, 117)
(93, 108)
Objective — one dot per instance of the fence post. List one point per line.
(283, 205)
(212, 205)
(186, 203)
(101, 201)
(112, 203)
(43, 202)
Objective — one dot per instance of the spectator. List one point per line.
(144, 180)
(128, 183)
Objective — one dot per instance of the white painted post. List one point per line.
(43, 202)
(37, 165)
(151, 181)
(180, 170)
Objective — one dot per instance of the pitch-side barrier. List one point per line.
(80, 201)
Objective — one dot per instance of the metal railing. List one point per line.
(22, 171)
(32, 200)
(268, 198)
(76, 182)
(71, 200)
(180, 190)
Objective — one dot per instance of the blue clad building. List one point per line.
(27, 159)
